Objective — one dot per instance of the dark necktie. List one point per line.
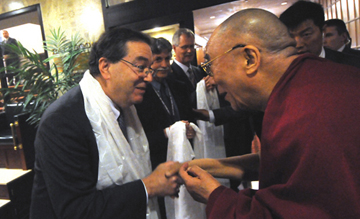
(122, 124)
(165, 97)
(191, 77)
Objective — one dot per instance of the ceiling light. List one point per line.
(212, 17)
(284, 3)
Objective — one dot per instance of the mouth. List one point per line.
(301, 52)
(141, 88)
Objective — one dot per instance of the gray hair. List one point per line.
(179, 32)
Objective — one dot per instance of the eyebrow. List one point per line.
(307, 29)
(141, 58)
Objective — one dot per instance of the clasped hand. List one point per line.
(199, 183)
(164, 180)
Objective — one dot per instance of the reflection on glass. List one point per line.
(116, 2)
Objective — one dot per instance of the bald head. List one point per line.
(257, 27)
(262, 50)
(5, 34)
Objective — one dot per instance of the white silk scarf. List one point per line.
(214, 145)
(120, 161)
(179, 149)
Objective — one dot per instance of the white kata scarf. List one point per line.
(179, 149)
(120, 161)
(214, 145)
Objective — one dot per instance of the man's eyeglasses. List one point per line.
(206, 66)
(140, 69)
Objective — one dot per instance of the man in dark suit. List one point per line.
(92, 155)
(164, 104)
(183, 43)
(305, 21)
(9, 56)
(337, 37)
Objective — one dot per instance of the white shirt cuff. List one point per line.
(147, 196)
(211, 116)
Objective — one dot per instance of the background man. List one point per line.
(258, 67)
(336, 37)
(184, 47)
(305, 21)
(164, 104)
(9, 57)
(92, 155)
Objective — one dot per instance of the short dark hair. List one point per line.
(301, 11)
(339, 24)
(112, 46)
(159, 45)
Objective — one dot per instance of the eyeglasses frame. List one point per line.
(141, 68)
(206, 66)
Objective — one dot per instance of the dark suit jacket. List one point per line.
(5, 50)
(13, 59)
(154, 118)
(178, 74)
(66, 169)
(341, 57)
(350, 51)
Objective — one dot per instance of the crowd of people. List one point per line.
(101, 148)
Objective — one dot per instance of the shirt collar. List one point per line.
(341, 48)
(322, 54)
(182, 66)
(156, 85)
(114, 109)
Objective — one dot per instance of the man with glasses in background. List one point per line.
(164, 103)
(92, 155)
(183, 43)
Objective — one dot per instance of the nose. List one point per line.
(299, 42)
(164, 63)
(148, 78)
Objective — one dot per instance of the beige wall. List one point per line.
(72, 16)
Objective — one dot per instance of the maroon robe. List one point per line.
(310, 152)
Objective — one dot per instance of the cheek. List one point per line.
(155, 65)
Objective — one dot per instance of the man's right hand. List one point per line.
(164, 180)
(199, 183)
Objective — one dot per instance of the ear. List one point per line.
(345, 37)
(104, 66)
(252, 56)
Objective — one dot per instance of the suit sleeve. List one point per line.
(68, 162)
(226, 114)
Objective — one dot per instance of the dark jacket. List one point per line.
(66, 169)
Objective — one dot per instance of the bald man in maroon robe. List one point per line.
(309, 164)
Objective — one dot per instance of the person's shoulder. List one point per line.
(199, 70)
(353, 52)
(342, 58)
(175, 67)
(67, 103)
